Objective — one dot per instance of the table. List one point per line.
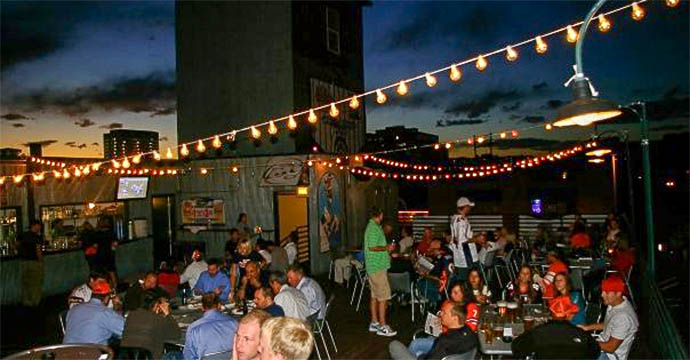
(499, 347)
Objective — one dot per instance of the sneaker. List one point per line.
(386, 330)
(374, 327)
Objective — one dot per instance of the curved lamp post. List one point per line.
(586, 109)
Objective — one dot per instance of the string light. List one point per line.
(77, 172)
(455, 73)
(156, 156)
(470, 141)
(86, 170)
(481, 63)
(310, 163)
(333, 111)
(204, 171)
(604, 24)
(672, 3)
(541, 45)
(66, 174)
(448, 145)
(235, 170)
(232, 136)
(354, 103)
(256, 133)
(380, 96)
(116, 164)
(430, 80)
(502, 135)
(480, 140)
(637, 12)
(511, 54)
(514, 133)
(18, 179)
(548, 126)
(169, 154)
(292, 124)
(184, 151)
(57, 174)
(200, 147)
(571, 34)
(402, 88)
(216, 142)
(125, 163)
(272, 128)
(136, 159)
(312, 117)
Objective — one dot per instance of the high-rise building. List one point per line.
(244, 62)
(124, 142)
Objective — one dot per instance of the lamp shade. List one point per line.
(585, 109)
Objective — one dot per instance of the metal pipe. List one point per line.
(614, 179)
(581, 38)
(647, 179)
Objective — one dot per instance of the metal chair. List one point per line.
(318, 326)
(220, 355)
(357, 267)
(62, 317)
(464, 356)
(67, 352)
(362, 279)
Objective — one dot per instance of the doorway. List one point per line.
(163, 222)
(291, 214)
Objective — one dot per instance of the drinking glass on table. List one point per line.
(489, 334)
(529, 322)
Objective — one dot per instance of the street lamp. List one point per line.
(586, 109)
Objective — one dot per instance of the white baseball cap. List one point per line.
(463, 201)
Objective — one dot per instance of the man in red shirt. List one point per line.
(423, 246)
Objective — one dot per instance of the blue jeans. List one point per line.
(421, 346)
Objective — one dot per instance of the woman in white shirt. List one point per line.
(480, 291)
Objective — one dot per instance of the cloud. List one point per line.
(163, 138)
(18, 125)
(540, 86)
(14, 117)
(508, 108)
(484, 103)
(95, 144)
(664, 128)
(73, 144)
(43, 143)
(553, 104)
(533, 119)
(70, 143)
(458, 122)
(673, 105)
(534, 144)
(164, 111)
(112, 126)
(84, 122)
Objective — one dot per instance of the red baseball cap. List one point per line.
(100, 287)
(561, 307)
(613, 283)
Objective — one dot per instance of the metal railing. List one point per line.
(663, 337)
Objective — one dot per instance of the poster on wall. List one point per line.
(344, 133)
(203, 211)
(330, 213)
(283, 171)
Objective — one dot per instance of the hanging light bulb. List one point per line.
(184, 151)
(430, 80)
(480, 140)
(455, 73)
(334, 112)
(86, 170)
(66, 174)
(292, 124)
(514, 133)
(216, 142)
(18, 179)
(402, 88)
(116, 164)
(448, 145)
(57, 174)
(77, 172)
(125, 163)
(540, 45)
(156, 156)
(511, 54)
(204, 171)
(272, 128)
(200, 147)
(256, 133)
(312, 117)
(637, 12)
(37, 177)
(604, 24)
(481, 63)
(571, 34)
(672, 3)
(548, 126)
(169, 154)
(354, 103)
(235, 169)
(95, 166)
(380, 97)
(502, 135)
(470, 141)
(232, 135)
(136, 158)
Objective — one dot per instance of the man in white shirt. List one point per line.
(309, 287)
(193, 270)
(620, 324)
(82, 293)
(407, 241)
(293, 302)
(464, 250)
(291, 248)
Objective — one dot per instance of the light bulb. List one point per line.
(216, 142)
(571, 35)
(541, 45)
(95, 166)
(86, 170)
(380, 97)
(481, 63)
(637, 12)
(430, 80)
(116, 164)
(448, 145)
(169, 154)
(511, 54)
(514, 133)
(402, 88)
(57, 174)
(470, 141)
(354, 103)
(66, 174)
(604, 24)
(334, 112)
(17, 178)
(548, 127)
(38, 177)
(455, 74)
(125, 163)
(235, 169)
(136, 158)
(272, 128)
(204, 171)
(312, 117)
(184, 151)
(232, 135)
(156, 156)
(77, 172)
(256, 133)
(502, 135)
(480, 140)
(672, 3)
(292, 124)
(200, 147)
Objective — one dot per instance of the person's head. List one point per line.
(234, 235)
(562, 284)
(252, 270)
(406, 231)
(387, 229)
(276, 280)
(35, 226)
(464, 206)
(474, 278)
(525, 274)
(614, 224)
(579, 228)
(428, 232)
(197, 255)
(482, 238)
(457, 293)
(452, 315)
(101, 291)
(244, 248)
(156, 303)
(295, 273)
(377, 215)
(612, 289)
(263, 297)
(285, 338)
(95, 276)
(552, 256)
(562, 308)
(213, 267)
(242, 219)
(434, 247)
(248, 334)
(150, 281)
(210, 301)
(104, 223)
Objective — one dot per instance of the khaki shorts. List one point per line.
(380, 287)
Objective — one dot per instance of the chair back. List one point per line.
(489, 260)
(63, 321)
(464, 356)
(133, 353)
(221, 355)
(66, 352)
(329, 304)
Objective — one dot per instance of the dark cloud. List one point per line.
(672, 105)
(73, 144)
(111, 126)
(664, 128)
(458, 122)
(14, 117)
(18, 125)
(43, 143)
(553, 104)
(534, 144)
(515, 117)
(508, 108)
(164, 111)
(95, 144)
(70, 143)
(84, 122)
(482, 105)
(533, 119)
(163, 138)
(540, 86)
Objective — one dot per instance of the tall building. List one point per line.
(400, 137)
(241, 62)
(123, 142)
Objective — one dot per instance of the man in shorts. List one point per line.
(377, 262)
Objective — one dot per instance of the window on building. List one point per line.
(333, 30)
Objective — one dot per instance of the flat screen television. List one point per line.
(129, 188)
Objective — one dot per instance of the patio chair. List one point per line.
(66, 351)
(62, 317)
(318, 327)
(362, 279)
(357, 267)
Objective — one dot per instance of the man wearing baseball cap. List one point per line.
(557, 339)
(93, 322)
(620, 324)
(464, 250)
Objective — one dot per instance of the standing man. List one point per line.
(377, 262)
(32, 266)
(464, 250)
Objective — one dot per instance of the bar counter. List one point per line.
(65, 269)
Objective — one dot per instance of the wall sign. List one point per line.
(203, 211)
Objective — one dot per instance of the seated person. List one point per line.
(151, 326)
(485, 246)
(279, 256)
(253, 279)
(555, 266)
(82, 293)
(93, 322)
(523, 289)
(231, 244)
(475, 283)
(558, 338)
(134, 298)
(620, 323)
(168, 278)
(261, 247)
(285, 339)
(423, 245)
(563, 288)
(248, 336)
(264, 301)
(244, 256)
(430, 282)
(293, 301)
(213, 281)
(193, 270)
(309, 287)
(458, 339)
(214, 332)
(406, 240)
